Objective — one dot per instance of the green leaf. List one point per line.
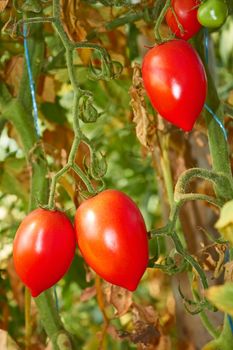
(54, 112)
(226, 41)
(9, 182)
(225, 223)
(222, 297)
(132, 42)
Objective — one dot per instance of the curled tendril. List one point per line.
(87, 112)
(10, 28)
(31, 6)
(195, 306)
(108, 69)
(17, 6)
(170, 266)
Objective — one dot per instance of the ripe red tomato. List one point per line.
(112, 238)
(43, 249)
(186, 15)
(175, 81)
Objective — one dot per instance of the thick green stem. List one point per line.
(220, 163)
(218, 145)
(19, 111)
(166, 169)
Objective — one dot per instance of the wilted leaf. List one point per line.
(228, 276)
(226, 42)
(225, 223)
(3, 5)
(13, 73)
(72, 24)
(6, 342)
(48, 89)
(88, 293)
(145, 313)
(145, 125)
(119, 297)
(222, 297)
(145, 332)
(58, 147)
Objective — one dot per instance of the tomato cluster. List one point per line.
(110, 232)
(109, 228)
(173, 74)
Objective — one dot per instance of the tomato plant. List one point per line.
(212, 13)
(175, 81)
(43, 249)
(184, 13)
(112, 237)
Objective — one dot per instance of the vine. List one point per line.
(19, 112)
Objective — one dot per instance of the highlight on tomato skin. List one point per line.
(175, 81)
(43, 249)
(212, 13)
(112, 238)
(183, 12)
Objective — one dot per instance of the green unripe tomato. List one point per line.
(212, 13)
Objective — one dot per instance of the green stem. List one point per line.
(208, 325)
(55, 178)
(166, 169)
(28, 326)
(189, 259)
(221, 163)
(160, 20)
(218, 145)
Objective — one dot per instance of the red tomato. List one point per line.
(186, 15)
(112, 238)
(175, 81)
(43, 249)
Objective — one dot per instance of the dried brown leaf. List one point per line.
(119, 297)
(144, 313)
(48, 89)
(6, 342)
(145, 124)
(228, 276)
(58, 147)
(72, 25)
(3, 5)
(88, 293)
(13, 73)
(145, 333)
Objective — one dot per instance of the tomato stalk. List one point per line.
(160, 20)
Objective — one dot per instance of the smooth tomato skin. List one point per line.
(43, 249)
(175, 81)
(186, 13)
(212, 13)
(112, 238)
